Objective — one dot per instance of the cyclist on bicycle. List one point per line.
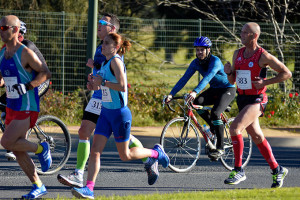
(42, 89)
(220, 93)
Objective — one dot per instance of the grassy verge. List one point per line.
(245, 194)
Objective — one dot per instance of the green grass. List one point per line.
(245, 194)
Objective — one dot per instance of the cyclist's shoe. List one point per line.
(10, 155)
(235, 177)
(72, 180)
(163, 158)
(152, 171)
(215, 154)
(278, 177)
(83, 193)
(35, 192)
(45, 157)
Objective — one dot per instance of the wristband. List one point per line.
(103, 82)
(229, 73)
(28, 86)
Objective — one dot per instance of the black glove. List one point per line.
(22, 88)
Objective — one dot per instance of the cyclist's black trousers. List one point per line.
(220, 98)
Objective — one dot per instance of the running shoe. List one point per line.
(235, 177)
(278, 177)
(215, 154)
(45, 157)
(35, 192)
(152, 171)
(83, 192)
(163, 158)
(72, 180)
(10, 155)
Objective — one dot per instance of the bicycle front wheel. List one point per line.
(181, 143)
(52, 130)
(228, 158)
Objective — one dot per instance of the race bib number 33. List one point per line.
(243, 79)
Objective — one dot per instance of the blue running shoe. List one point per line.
(278, 177)
(35, 192)
(152, 170)
(163, 158)
(235, 177)
(45, 157)
(83, 193)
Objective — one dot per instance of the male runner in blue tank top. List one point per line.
(42, 89)
(220, 93)
(22, 72)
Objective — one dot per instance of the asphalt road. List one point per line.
(129, 178)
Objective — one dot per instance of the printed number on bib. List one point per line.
(243, 79)
(10, 91)
(94, 106)
(106, 96)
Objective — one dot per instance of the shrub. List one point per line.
(69, 107)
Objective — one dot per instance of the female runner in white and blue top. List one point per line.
(115, 116)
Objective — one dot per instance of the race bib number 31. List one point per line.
(94, 106)
(243, 79)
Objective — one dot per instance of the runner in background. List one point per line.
(109, 23)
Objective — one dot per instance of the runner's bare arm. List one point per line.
(31, 59)
(230, 69)
(283, 72)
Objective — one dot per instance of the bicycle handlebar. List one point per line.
(184, 97)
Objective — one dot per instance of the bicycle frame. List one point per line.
(188, 112)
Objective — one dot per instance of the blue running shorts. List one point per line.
(117, 121)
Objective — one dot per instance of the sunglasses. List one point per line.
(5, 28)
(105, 23)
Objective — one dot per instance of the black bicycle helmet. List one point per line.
(202, 42)
(22, 27)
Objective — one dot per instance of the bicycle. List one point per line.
(181, 140)
(51, 129)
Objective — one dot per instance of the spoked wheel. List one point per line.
(54, 131)
(228, 158)
(182, 147)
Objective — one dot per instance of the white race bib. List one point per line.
(243, 79)
(10, 91)
(94, 106)
(106, 96)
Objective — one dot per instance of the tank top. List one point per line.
(112, 99)
(246, 71)
(14, 73)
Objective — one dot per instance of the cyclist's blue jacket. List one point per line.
(98, 60)
(118, 99)
(214, 75)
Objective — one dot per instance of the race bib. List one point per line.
(10, 91)
(243, 79)
(106, 96)
(94, 106)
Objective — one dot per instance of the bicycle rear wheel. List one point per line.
(54, 131)
(228, 158)
(183, 149)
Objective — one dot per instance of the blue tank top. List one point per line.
(14, 73)
(115, 99)
(214, 75)
(99, 58)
